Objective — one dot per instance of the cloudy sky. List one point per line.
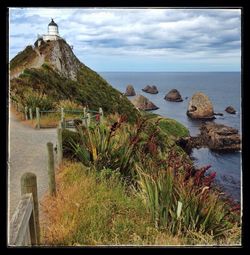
(138, 39)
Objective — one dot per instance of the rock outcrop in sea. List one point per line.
(200, 107)
(230, 110)
(130, 91)
(143, 103)
(174, 96)
(220, 137)
(150, 89)
(215, 137)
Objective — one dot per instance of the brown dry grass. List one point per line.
(90, 211)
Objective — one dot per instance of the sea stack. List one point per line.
(230, 110)
(220, 137)
(200, 107)
(130, 91)
(143, 103)
(174, 96)
(150, 89)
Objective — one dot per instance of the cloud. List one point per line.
(196, 34)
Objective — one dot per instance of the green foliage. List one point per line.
(33, 99)
(96, 208)
(89, 90)
(105, 147)
(180, 206)
(22, 58)
(68, 105)
(173, 128)
(109, 174)
(117, 144)
(69, 137)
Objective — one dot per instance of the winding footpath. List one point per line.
(27, 153)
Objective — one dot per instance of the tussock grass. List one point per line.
(91, 209)
(96, 208)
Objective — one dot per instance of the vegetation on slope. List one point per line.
(23, 58)
(179, 201)
(98, 209)
(50, 83)
(135, 186)
(90, 90)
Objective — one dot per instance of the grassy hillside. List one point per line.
(23, 58)
(91, 209)
(89, 89)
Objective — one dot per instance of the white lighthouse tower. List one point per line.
(53, 33)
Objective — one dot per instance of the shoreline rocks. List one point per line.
(173, 96)
(150, 89)
(214, 136)
(218, 113)
(143, 103)
(230, 110)
(130, 91)
(200, 107)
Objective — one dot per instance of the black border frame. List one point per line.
(122, 3)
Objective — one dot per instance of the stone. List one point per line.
(174, 96)
(143, 103)
(130, 91)
(150, 89)
(220, 137)
(200, 107)
(214, 136)
(218, 113)
(230, 110)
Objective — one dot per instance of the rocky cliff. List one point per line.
(54, 70)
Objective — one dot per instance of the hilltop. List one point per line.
(53, 71)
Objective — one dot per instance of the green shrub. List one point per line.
(69, 137)
(68, 105)
(105, 147)
(183, 205)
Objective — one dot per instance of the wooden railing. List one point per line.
(24, 228)
(86, 115)
(22, 225)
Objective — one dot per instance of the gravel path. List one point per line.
(27, 153)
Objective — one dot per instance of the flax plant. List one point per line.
(183, 206)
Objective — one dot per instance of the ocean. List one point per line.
(223, 89)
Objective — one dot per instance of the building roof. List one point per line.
(52, 23)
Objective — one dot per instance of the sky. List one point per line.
(139, 40)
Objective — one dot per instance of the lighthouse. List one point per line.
(53, 32)
(53, 28)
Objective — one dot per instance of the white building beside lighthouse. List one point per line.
(53, 33)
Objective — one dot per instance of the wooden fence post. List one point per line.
(59, 145)
(62, 114)
(88, 119)
(63, 117)
(31, 114)
(37, 118)
(29, 185)
(26, 112)
(51, 170)
(84, 112)
(101, 114)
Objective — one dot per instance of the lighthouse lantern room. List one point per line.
(53, 33)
